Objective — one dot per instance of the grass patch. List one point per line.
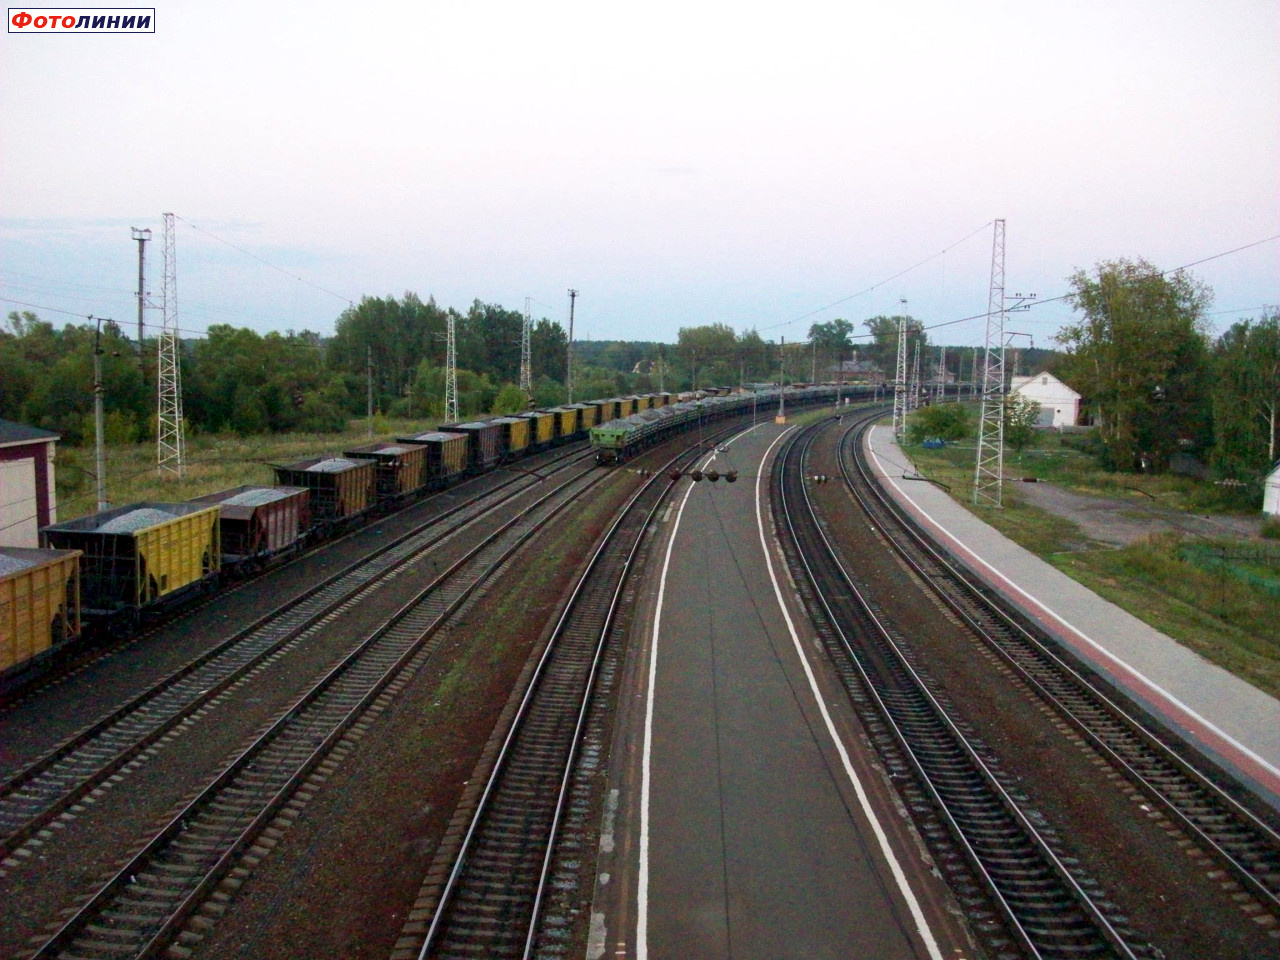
(1226, 619)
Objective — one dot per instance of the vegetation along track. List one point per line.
(489, 902)
(142, 908)
(33, 796)
(1244, 844)
(1043, 907)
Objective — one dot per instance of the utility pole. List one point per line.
(142, 236)
(170, 443)
(98, 432)
(368, 374)
(662, 370)
(940, 393)
(526, 365)
(568, 375)
(782, 391)
(813, 373)
(451, 372)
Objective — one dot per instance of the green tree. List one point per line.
(549, 351)
(1246, 398)
(1021, 415)
(757, 360)
(833, 344)
(709, 353)
(510, 399)
(883, 348)
(1139, 356)
(392, 335)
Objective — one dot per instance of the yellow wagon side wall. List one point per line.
(39, 608)
(178, 553)
(519, 434)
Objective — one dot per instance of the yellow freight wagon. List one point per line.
(642, 402)
(39, 603)
(515, 434)
(566, 422)
(542, 427)
(589, 414)
(626, 407)
(136, 555)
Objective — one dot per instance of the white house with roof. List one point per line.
(1059, 404)
(1271, 492)
(27, 499)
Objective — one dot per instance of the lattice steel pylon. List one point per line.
(451, 372)
(170, 444)
(988, 475)
(900, 382)
(526, 357)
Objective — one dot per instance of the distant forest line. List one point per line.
(1154, 380)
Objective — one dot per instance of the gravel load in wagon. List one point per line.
(136, 520)
(257, 497)
(10, 565)
(332, 465)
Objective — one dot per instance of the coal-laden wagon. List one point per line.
(514, 439)
(140, 558)
(446, 455)
(542, 428)
(39, 606)
(484, 441)
(260, 524)
(342, 489)
(400, 469)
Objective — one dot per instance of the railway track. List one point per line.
(1043, 906)
(235, 820)
(490, 899)
(1242, 842)
(35, 795)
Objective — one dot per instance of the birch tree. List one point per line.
(1139, 355)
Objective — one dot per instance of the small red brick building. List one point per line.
(27, 499)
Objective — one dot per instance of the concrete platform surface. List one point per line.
(1230, 720)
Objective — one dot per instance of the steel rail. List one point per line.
(1025, 911)
(37, 793)
(386, 665)
(597, 567)
(1193, 800)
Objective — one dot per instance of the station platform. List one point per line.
(1229, 720)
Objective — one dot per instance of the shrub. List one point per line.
(943, 421)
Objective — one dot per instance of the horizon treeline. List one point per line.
(1153, 378)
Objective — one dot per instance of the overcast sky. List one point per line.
(677, 163)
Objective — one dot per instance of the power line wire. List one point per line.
(268, 263)
(881, 283)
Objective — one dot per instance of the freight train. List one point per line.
(108, 572)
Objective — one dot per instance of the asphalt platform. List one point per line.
(1221, 716)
